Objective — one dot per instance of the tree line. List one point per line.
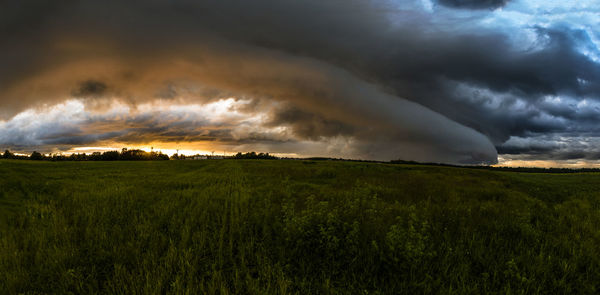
(502, 168)
(141, 155)
(254, 155)
(125, 155)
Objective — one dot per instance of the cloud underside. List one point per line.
(362, 78)
(474, 4)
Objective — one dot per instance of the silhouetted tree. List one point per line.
(253, 155)
(7, 154)
(111, 156)
(36, 156)
(59, 157)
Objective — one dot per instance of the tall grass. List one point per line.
(293, 227)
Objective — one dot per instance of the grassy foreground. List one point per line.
(294, 227)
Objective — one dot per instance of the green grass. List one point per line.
(294, 227)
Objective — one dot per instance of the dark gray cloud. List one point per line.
(307, 125)
(90, 88)
(530, 149)
(473, 4)
(559, 147)
(392, 77)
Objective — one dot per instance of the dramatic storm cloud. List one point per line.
(473, 4)
(437, 81)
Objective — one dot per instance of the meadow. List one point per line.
(294, 227)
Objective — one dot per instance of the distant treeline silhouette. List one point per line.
(128, 155)
(511, 169)
(254, 155)
(140, 155)
(124, 155)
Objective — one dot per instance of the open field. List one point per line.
(275, 226)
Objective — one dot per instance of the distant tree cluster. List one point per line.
(538, 169)
(511, 169)
(403, 162)
(128, 155)
(254, 155)
(124, 155)
(195, 157)
(8, 155)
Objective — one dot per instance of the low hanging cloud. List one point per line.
(90, 88)
(474, 4)
(376, 79)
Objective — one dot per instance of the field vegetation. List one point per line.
(294, 227)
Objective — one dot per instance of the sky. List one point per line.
(503, 82)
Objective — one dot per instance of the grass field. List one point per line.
(294, 227)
